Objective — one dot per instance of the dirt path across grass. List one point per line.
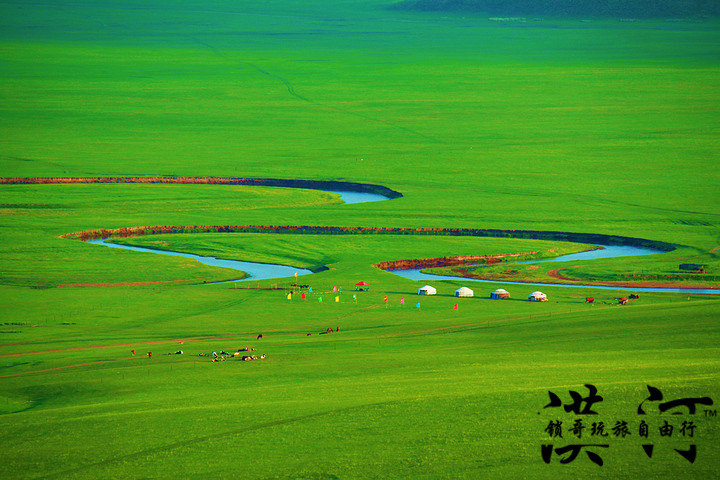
(126, 284)
(45, 370)
(555, 273)
(109, 345)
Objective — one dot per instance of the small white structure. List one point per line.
(499, 294)
(427, 290)
(537, 296)
(464, 292)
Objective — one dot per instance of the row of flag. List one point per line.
(337, 298)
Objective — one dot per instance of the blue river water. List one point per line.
(255, 271)
(265, 271)
(607, 251)
(358, 197)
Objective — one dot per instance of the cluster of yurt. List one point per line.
(499, 294)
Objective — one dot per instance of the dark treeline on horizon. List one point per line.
(572, 8)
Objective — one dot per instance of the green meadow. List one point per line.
(578, 125)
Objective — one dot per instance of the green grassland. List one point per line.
(584, 126)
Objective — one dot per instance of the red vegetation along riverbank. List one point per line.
(319, 230)
(555, 273)
(267, 182)
(445, 261)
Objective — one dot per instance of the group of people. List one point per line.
(325, 332)
(149, 354)
(223, 355)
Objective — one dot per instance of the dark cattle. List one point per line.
(693, 267)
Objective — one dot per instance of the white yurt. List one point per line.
(537, 296)
(464, 292)
(499, 294)
(427, 290)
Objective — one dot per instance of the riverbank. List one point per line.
(588, 238)
(561, 280)
(325, 185)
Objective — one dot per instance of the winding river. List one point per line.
(254, 271)
(264, 271)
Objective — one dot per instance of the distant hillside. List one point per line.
(571, 8)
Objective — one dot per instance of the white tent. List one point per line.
(464, 292)
(499, 294)
(427, 290)
(537, 296)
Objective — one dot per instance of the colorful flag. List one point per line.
(334, 288)
(310, 289)
(319, 299)
(289, 296)
(385, 299)
(302, 295)
(455, 307)
(295, 274)
(402, 301)
(337, 299)
(417, 305)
